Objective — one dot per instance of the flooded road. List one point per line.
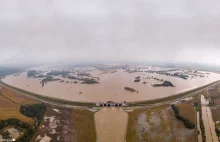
(111, 87)
(198, 127)
(111, 124)
(208, 121)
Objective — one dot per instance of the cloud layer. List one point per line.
(53, 31)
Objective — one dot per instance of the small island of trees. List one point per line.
(131, 89)
(83, 74)
(137, 79)
(164, 84)
(47, 79)
(90, 81)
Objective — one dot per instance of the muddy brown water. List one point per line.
(208, 121)
(111, 124)
(111, 87)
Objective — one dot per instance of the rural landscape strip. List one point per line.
(202, 127)
(51, 99)
(170, 98)
(90, 104)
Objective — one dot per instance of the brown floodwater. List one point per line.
(208, 121)
(111, 87)
(111, 124)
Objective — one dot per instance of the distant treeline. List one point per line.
(65, 74)
(83, 74)
(7, 71)
(177, 74)
(187, 123)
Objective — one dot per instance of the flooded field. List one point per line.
(214, 93)
(208, 121)
(111, 124)
(57, 125)
(157, 124)
(66, 125)
(92, 84)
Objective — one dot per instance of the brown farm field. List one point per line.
(84, 125)
(65, 125)
(215, 95)
(181, 133)
(16, 97)
(187, 111)
(158, 124)
(9, 109)
(216, 114)
(5, 103)
(132, 134)
(150, 125)
(6, 113)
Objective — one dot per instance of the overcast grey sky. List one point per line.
(37, 31)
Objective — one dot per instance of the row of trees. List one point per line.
(187, 123)
(197, 104)
(90, 81)
(33, 111)
(137, 79)
(217, 131)
(131, 89)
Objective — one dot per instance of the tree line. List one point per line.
(35, 111)
(187, 123)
